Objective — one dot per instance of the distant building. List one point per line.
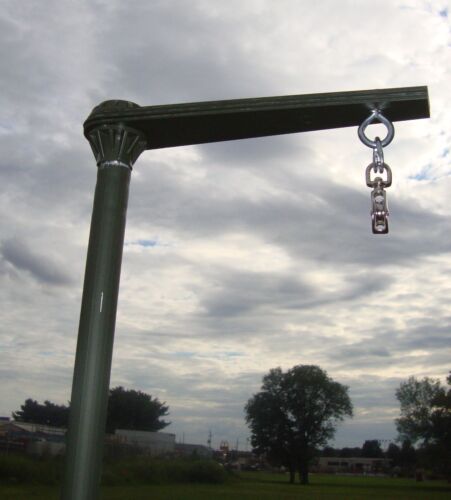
(37, 430)
(243, 460)
(357, 465)
(32, 438)
(152, 443)
(193, 450)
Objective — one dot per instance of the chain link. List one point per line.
(378, 156)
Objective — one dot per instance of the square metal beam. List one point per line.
(211, 121)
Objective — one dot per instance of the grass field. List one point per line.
(256, 486)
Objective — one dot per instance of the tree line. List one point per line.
(425, 421)
(402, 455)
(294, 416)
(127, 409)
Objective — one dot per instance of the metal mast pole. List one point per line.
(119, 131)
(116, 149)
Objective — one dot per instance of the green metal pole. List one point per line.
(119, 131)
(116, 148)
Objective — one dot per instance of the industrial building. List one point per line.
(356, 465)
(152, 443)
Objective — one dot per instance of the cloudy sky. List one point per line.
(239, 256)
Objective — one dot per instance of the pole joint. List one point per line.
(116, 144)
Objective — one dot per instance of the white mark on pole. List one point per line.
(101, 301)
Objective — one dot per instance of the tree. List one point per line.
(329, 451)
(372, 449)
(350, 452)
(416, 399)
(426, 419)
(408, 458)
(130, 409)
(441, 416)
(295, 413)
(394, 454)
(46, 414)
(439, 446)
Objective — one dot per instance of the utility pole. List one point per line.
(118, 132)
(210, 436)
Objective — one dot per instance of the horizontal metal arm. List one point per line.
(201, 122)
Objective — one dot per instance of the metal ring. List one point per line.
(376, 115)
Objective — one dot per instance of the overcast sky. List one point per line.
(239, 256)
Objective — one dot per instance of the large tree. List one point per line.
(426, 419)
(44, 414)
(372, 449)
(416, 400)
(294, 414)
(127, 409)
(394, 454)
(130, 409)
(441, 416)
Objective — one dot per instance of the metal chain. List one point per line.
(379, 207)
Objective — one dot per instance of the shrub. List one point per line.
(153, 471)
(22, 469)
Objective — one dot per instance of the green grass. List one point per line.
(257, 486)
